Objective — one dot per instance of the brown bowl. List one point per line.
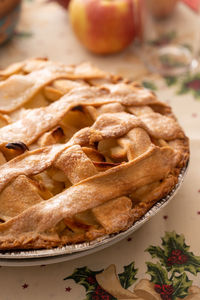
(6, 6)
(9, 16)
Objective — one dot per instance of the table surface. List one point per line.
(166, 250)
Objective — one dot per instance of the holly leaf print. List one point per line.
(177, 257)
(163, 39)
(128, 277)
(187, 46)
(149, 85)
(170, 80)
(191, 84)
(157, 252)
(181, 285)
(167, 60)
(193, 264)
(23, 34)
(158, 274)
(99, 294)
(172, 241)
(85, 277)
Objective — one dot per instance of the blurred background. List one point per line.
(122, 36)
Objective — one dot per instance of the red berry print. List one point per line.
(176, 252)
(171, 260)
(194, 84)
(91, 280)
(100, 294)
(194, 115)
(25, 285)
(166, 291)
(198, 212)
(165, 297)
(184, 258)
(158, 288)
(68, 289)
(165, 217)
(177, 258)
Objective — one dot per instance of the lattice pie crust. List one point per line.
(82, 153)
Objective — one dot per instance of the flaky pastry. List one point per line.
(83, 153)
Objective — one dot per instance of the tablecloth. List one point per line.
(161, 260)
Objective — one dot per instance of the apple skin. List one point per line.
(104, 26)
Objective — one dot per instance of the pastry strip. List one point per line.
(37, 121)
(86, 194)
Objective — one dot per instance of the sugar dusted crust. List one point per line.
(83, 153)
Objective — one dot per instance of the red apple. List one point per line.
(105, 26)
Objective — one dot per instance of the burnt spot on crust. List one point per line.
(58, 132)
(78, 107)
(96, 145)
(17, 146)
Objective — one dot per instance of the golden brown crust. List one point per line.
(92, 153)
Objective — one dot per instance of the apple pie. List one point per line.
(83, 153)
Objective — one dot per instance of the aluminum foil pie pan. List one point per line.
(69, 252)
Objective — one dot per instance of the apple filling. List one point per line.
(112, 216)
(82, 154)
